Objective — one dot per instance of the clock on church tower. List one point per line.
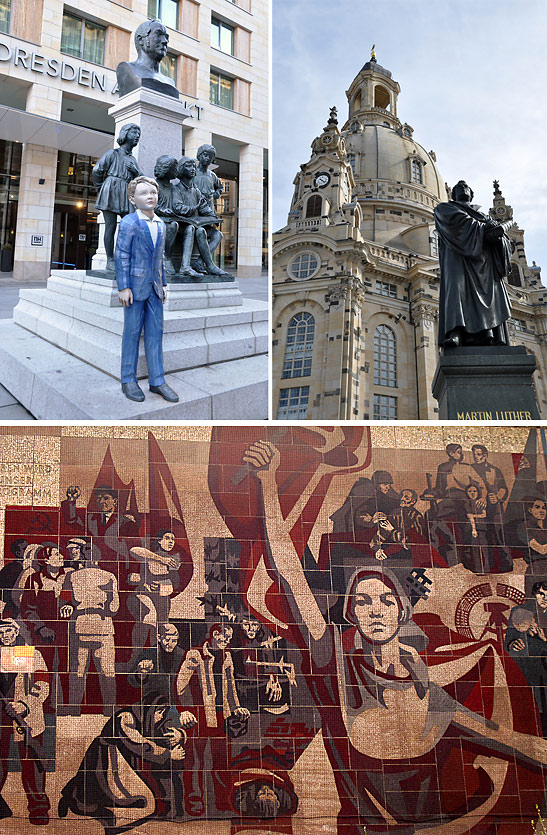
(326, 182)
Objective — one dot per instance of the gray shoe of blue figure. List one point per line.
(166, 392)
(133, 392)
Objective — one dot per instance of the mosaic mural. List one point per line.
(273, 630)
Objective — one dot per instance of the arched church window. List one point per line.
(385, 357)
(304, 266)
(514, 278)
(299, 346)
(355, 127)
(434, 243)
(416, 174)
(313, 206)
(352, 161)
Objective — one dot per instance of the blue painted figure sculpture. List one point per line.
(140, 277)
(111, 175)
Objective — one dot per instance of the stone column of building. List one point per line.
(36, 199)
(342, 344)
(427, 355)
(249, 250)
(194, 138)
(541, 355)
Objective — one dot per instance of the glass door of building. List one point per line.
(227, 209)
(73, 238)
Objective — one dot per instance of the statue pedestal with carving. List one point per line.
(486, 383)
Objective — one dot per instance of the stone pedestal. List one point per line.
(486, 383)
(160, 119)
(60, 355)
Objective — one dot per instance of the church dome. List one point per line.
(381, 153)
(397, 182)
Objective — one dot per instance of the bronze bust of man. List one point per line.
(151, 41)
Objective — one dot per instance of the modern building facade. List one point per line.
(58, 81)
(356, 273)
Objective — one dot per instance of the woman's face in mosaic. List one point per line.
(376, 610)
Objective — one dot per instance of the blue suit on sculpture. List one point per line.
(139, 267)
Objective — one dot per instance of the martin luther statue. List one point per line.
(475, 257)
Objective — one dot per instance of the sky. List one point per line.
(473, 77)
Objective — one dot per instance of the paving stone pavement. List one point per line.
(10, 408)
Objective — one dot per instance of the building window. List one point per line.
(168, 66)
(520, 325)
(165, 10)
(222, 36)
(293, 403)
(434, 243)
(313, 206)
(304, 266)
(83, 39)
(385, 357)
(514, 276)
(221, 90)
(5, 8)
(385, 289)
(416, 171)
(352, 161)
(299, 347)
(385, 407)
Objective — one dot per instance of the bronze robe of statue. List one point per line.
(472, 293)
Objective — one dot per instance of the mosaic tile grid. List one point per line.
(248, 630)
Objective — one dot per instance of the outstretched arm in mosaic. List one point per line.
(506, 740)
(265, 458)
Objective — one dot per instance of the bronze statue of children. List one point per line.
(165, 170)
(192, 209)
(111, 175)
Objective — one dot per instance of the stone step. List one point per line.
(54, 385)
(80, 284)
(93, 332)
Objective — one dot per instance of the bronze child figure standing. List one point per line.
(111, 175)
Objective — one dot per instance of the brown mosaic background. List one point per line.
(294, 700)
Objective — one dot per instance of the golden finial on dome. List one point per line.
(373, 53)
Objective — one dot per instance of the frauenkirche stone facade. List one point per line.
(356, 273)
